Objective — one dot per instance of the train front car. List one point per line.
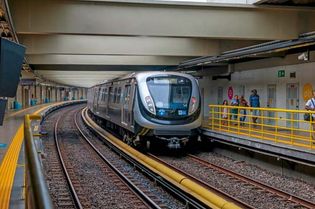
(169, 106)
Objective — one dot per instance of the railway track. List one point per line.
(121, 179)
(285, 195)
(62, 193)
(79, 191)
(187, 200)
(225, 195)
(229, 175)
(80, 168)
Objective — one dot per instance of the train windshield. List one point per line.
(171, 95)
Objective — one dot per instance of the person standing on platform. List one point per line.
(254, 102)
(310, 105)
(235, 102)
(225, 112)
(243, 103)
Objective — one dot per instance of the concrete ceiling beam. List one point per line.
(128, 45)
(171, 20)
(103, 60)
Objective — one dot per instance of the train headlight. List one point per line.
(193, 104)
(150, 105)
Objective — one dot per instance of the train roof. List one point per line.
(138, 74)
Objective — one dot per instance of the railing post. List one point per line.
(276, 123)
(311, 130)
(262, 124)
(220, 116)
(212, 123)
(238, 120)
(229, 118)
(250, 121)
(292, 126)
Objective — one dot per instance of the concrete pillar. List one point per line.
(26, 95)
(18, 97)
(37, 95)
(80, 93)
(55, 94)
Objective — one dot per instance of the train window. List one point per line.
(114, 96)
(174, 100)
(118, 95)
(111, 94)
(127, 93)
(105, 94)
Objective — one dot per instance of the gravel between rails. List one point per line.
(98, 187)
(291, 185)
(56, 181)
(164, 199)
(245, 192)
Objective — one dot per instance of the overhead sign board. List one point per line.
(27, 81)
(11, 60)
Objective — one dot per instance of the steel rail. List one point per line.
(72, 190)
(190, 201)
(279, 192)
(147, 200)
(225, 195)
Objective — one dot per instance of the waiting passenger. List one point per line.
(235, 102)
(310, 105)
(225, 112)
(243, 103)
(254, 102)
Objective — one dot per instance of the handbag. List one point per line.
(307, 116)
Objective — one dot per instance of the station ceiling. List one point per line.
(107, 38)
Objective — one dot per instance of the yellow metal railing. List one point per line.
(274, 124)
(36, 189)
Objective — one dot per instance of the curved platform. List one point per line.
(12, 157)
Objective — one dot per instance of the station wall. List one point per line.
(289, 91)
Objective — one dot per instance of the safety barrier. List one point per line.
(274, 124)
(37, 194)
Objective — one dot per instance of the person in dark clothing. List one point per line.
(254, 102)
(243, 103)
(235, 102)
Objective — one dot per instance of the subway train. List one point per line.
(148, 107)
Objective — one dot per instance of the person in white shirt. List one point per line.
(310, 105)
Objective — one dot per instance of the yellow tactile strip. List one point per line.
(8, 168)
(9, 164)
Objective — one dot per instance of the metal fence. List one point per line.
(37, 194)
(273, 124)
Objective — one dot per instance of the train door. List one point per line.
(126, 105)
(293, 103)
(271, 102)
(220, 95)
(109, 100)
(96, 92)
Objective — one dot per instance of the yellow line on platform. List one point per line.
(8, 168)
(9, 164)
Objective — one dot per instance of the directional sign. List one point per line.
(281, 73)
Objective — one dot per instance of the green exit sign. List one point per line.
(281, 73)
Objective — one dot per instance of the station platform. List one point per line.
(273, 141)
(12, 157)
